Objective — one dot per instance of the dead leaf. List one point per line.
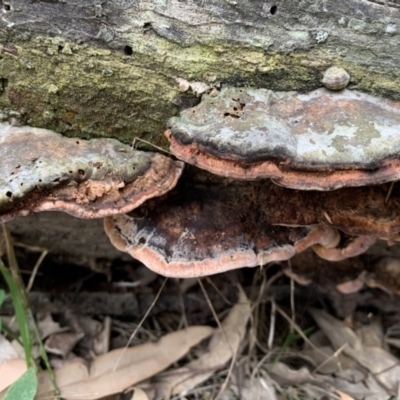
(61, 344)
(10, 371)
(101, 343)
(139, 394)
(120, 369)
(344, 396)
(261, 388)
(74, 371)
(223, 346)
(7, 350)
(47, 326)
(382, 365)
(285, 375)
(365, 389)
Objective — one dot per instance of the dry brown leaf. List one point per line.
(323, 356)
(261, 388)
(284, 375)
(61, 344)
(384, 366)
(10, 371)
(119, 369)
(139, 394)
(74, 371)
(223, 346)
(47, 326)
(344, 396)
(102, 341)
(7, 350)
(364, 389)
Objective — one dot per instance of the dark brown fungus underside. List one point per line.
(203, 229)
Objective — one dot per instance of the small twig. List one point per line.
(271, 332)
(140, 324)
(234, 352)
(300, 332)
(292, 289)
(255, 310)
(328, 218)
(214, 313)
(210, 282)
(183, 321)
(228, 376)
(136, 139)
(259, 364)
(389, 191)
(35, 270)
(334, 355)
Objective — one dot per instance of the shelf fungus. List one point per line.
(206, 228)
(44, 171)
(209, 229)
(322, 140)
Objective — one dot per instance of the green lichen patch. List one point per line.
(88, 91)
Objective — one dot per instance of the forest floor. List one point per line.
(287, 331)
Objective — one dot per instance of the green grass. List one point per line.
(26, 386)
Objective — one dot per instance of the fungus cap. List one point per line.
(204, 228)
(335, 78)
(322, 140)
(41, 170)
(205, 231)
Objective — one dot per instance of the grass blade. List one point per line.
(20, 313)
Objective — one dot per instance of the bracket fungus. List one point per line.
(322, 140)
(358, 211)
(206, 228)
(210, 229)
(42, 171)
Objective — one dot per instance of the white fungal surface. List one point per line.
(318, 129)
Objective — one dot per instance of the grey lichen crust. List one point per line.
(41, 170)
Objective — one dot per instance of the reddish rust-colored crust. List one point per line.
(388, 170)
(359, 211)
(355, 246)
(93, 199)
(307, 267)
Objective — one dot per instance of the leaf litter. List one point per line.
(271, 338)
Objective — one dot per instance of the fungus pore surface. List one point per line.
(321, 140)
(41, 171)
(205, 229)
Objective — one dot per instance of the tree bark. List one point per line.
(109, 68)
